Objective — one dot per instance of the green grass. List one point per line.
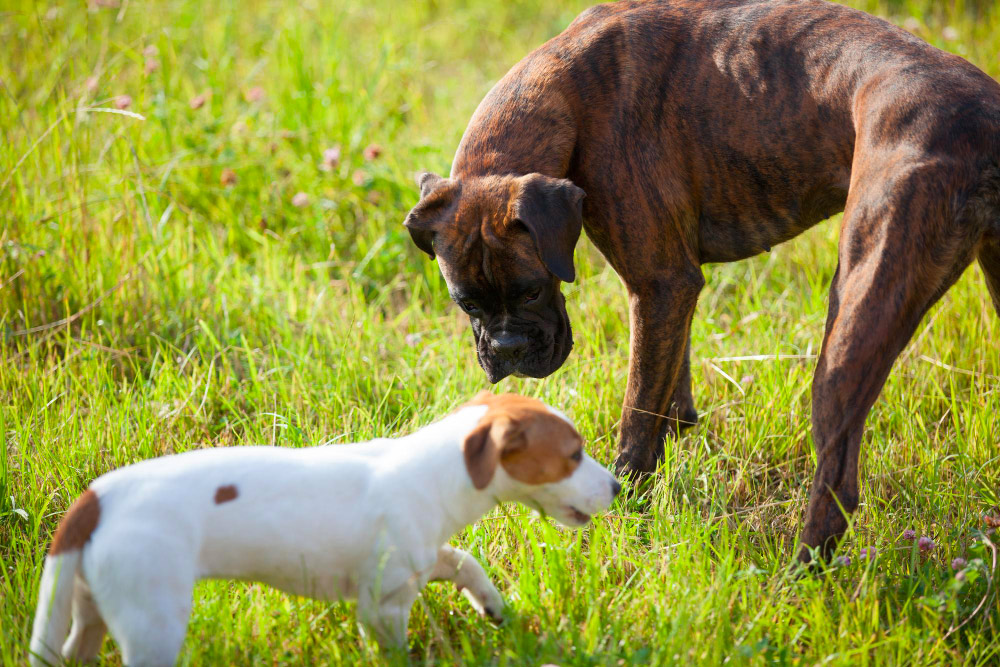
(146, 308)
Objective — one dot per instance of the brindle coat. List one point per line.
(709, 131)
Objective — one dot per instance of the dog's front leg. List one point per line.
(660, 311)
(471, 579)
(681, 414)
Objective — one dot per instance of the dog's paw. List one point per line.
(487, 602)
(495, 614)
(493, 606)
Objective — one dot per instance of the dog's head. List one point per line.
(526, 451)
(504, 243)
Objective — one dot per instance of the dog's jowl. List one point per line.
(688, 132)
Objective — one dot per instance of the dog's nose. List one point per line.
(616, 488)
(508, 345)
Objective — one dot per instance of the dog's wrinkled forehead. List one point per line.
(484, 242)
(543, 447)
(454, 215)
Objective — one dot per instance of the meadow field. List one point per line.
(201, 244)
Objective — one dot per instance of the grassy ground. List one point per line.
(163, 289)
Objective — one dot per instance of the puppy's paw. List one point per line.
(493, 609)
(496, 617)
(487, 601)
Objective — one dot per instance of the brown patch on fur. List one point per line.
(533, 445)
(225, 493)
(78, 524)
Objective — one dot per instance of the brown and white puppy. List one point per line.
(369, 521)
(709, 131)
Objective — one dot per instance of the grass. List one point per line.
(150, 304)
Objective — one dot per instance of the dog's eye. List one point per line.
(577, 456)
(533, 295)
(468, 306)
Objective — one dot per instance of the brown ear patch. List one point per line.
(224, 494)
(533, 445)
(480, 454)
(78, 524)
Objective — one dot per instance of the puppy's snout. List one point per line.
(616, 487)
(508, 345)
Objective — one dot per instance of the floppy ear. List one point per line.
(482, 447)
(552, 210)
(425, 219)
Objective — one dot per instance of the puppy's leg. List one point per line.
(471, 579)
(87, 633)
(660, 311)
(899, 252)
(143, 588)
(151, 632)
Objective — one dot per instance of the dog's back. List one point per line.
(222, 504)
(751, 113)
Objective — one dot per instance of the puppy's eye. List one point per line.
(533, 295)
(577, 456)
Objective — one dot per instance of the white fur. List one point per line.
(368, 521)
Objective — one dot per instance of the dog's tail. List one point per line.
(52, 615)
(55, 595)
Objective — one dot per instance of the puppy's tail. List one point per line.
(55, 595)
(52, 615)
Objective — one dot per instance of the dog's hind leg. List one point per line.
(989, 261)
(143, 587)
(87, 633)
(899, 251)
(150, 625)
(471, 579)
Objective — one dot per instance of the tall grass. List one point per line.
(160, 291)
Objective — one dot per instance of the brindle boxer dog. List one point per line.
(708, 131)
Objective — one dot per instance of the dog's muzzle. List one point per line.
(517, 354)
(509, 346)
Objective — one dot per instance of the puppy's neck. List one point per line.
(448, 485)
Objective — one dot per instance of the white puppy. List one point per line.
(369, 521)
